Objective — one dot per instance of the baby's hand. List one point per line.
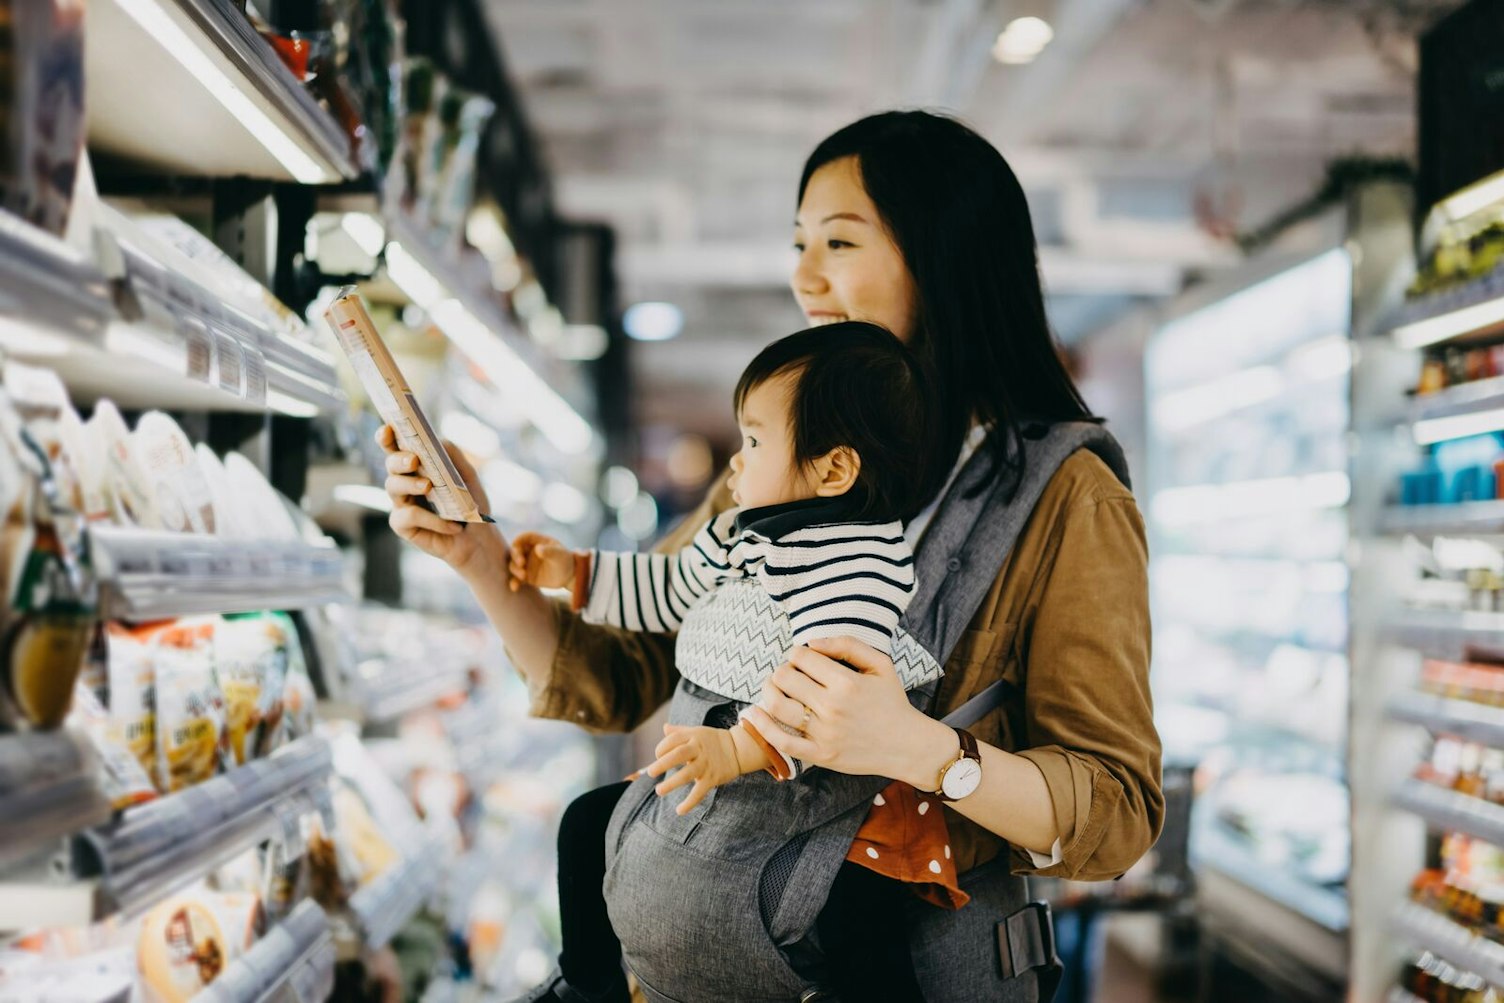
(541, 561)
(704, 756)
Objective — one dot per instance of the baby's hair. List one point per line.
(856, 385)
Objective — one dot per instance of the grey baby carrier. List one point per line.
(720, 904)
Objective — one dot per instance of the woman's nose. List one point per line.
(808, 277)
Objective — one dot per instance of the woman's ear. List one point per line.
(836, 472)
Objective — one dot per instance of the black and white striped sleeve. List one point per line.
(851, 579)
(652, 592)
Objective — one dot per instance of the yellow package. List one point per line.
(250, 659)
(191, 740)
(183, 948)
(132, 693)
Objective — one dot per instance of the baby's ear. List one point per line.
(836, 471)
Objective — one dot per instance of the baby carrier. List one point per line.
(720, 903)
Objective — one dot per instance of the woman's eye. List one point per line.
(836, 245)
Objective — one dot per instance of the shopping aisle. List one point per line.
(252, 748)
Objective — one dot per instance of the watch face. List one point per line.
(961, 779)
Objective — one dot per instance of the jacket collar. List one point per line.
(777, 521)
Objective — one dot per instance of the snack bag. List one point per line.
(123, 777)
(191, 739)
(183, 948)
(133, 700)
(250, 659)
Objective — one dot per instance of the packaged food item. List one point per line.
(184, 947)
(133, 701)
(251, 658)
(125, 780)
(259, 500)
(286, 877)
(42, 117)
(191, 739)
(179, 490)
(128, 486)
(298, 702)
(394, 401)
(230, 519)
(42, 401)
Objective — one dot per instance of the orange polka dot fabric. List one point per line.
(905, 838)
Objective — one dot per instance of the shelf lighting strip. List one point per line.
(563, 426)
(162, 26)
(1444, 326)
(1429, 431)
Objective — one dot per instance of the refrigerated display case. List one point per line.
(1252, 384)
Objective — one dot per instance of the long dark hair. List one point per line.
(959, 217)
(857, 385)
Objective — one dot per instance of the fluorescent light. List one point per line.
(504, 479)
(1022, 41)
(1450, 325)
(620, 486)
(1457, 426)
(1475, 197)
(1187, 408)
(544, 407)
(364, 495)
(366, 230)
(188, 51)
(583, 342)
(412, 278)
(653, 321)
(470, 434)
(279, 401)
(1243, 499)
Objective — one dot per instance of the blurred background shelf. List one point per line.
(1430, 930)
(293, 963)
(1474, 721)
(1449, 811)
(49, 789)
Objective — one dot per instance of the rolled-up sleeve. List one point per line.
(1088, 714)
(612, 680)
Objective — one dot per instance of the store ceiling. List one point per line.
(1147, 131)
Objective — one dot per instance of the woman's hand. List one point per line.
(457, 543)
(859, 720)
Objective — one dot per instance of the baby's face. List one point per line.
(763, 472)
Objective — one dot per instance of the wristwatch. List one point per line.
(962, 775)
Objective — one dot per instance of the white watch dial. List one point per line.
(961, 779)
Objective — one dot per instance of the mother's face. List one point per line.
(849, 267)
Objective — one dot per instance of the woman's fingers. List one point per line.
(793, 746)
(401, 462)
(854, 653)
(783, 707)
(386, 438)
(408, 520)
(405, 487)
(798, 685)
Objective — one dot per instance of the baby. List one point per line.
(836, 453)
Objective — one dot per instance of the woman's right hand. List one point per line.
(458, 544)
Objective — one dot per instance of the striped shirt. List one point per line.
(832, 579)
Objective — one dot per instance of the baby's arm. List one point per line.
(706, 757)
(653, 592)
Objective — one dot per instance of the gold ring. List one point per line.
(804, 722)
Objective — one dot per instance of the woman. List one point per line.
(912, 221)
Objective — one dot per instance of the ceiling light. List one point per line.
(565, 504)
(171, 37)
(653, 321)
(412, 278)
(638, 518)
(1474, 197)
(1022, 41)
(620, 486)
(366, 230)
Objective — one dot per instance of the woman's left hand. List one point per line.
(859, 719)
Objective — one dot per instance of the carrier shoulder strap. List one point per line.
(966, 544)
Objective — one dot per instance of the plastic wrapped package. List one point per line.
(181, 495)
(250, 661)
(42, 124)
(192, 744)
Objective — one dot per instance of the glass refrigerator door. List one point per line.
(1248, 417)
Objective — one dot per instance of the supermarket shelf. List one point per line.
(1482, 517)
(1212, 848)
(49, 285)
(1466, 398)
(1449, 811)
(384, 906)
(1463, 314)
(189, 87)
(49, 790)
(145, 575)
(1445, 630)
(1475, 722)
(293, 963)
(396, 690)
(1456, 944)
(154, 849)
